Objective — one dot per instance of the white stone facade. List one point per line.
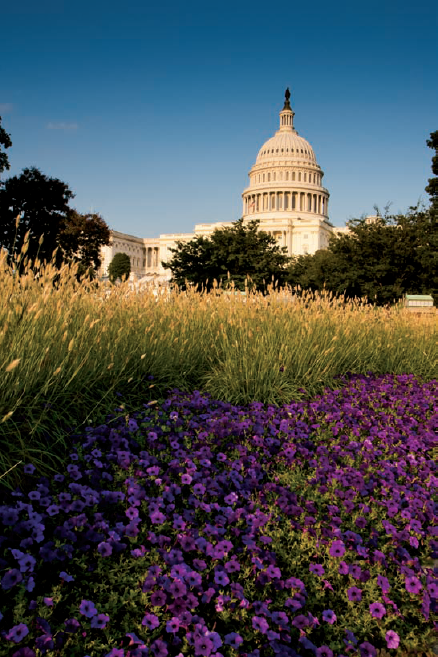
(285, 193)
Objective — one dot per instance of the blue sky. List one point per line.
(153, 114)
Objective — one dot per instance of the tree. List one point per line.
(241, 250)
(432, 187)
(42, 204)
(81, 238)
(382, 261)
(119, 267)
(5, 141)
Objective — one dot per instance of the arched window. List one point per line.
(269, 177)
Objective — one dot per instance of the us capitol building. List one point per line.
(285, 192)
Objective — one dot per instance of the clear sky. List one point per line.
(153, 113)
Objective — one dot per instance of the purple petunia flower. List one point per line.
(383, 583)
(432, 587)
(66, 577)
(150, 621)
(177, 589)
(29, 468)
(87, 609)
(99, 621)
(377, 610)
(203, 646)
(413, 584)
(354, 594)
(158, 599)
(300, 621)
(17, 633)
(343, 568)
(221, 578)
(104, 549)
(324, 651)
(259, 623)
(233, 639)
(317, 569)
(24, 652)
(173, 625)
(27, 562)
(392, 639)
(11, 578)
(157, 518)
(337, 549)
(329, 616)
(367, 650)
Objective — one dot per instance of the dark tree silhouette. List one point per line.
(42, 204)
(5, 142)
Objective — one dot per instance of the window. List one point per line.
(263, 177)
(293, 175)
(305, 237)
(274, 176)
(287, 175)
(305, 177)
(299, 176)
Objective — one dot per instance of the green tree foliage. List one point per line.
(382, 260)
(81, 238)
(42, 204)
(119, 267)
(5, 142)
(432, 187)
(241, 250)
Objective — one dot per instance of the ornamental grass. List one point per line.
(69, 350)
(197, 527)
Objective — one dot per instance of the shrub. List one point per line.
(119, 267)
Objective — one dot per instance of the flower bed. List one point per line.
(200, 528)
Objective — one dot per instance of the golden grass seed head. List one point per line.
(12, 365)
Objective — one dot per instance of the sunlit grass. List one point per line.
(67, 349)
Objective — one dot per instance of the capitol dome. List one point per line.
(286, 180)
(286, 146)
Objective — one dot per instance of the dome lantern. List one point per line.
(287, 114)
